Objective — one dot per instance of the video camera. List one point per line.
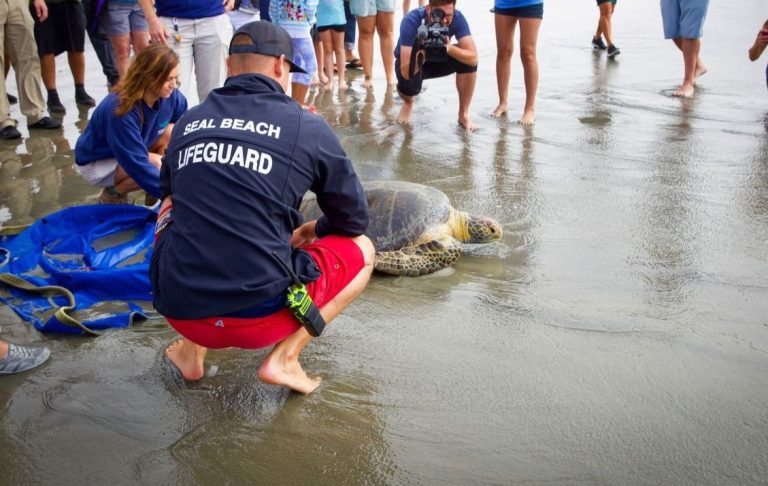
(433, 36)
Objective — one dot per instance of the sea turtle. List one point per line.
(414, 228)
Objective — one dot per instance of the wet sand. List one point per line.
(617, 334)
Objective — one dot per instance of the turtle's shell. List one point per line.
(401, 212)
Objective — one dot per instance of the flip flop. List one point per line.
(354, 64)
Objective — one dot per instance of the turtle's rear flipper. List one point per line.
(422, 259)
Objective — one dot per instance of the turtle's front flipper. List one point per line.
(422, 259)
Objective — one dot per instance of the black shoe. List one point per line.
(12, 99)
(55, 106)
(597, 43)
(613, 51)
(46, 122)
(9, 133)
(83, 98)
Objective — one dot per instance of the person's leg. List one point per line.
(327, 63)
(5, 109)
(102, 47)
(22, 48)
(505, 32)
(337, 39)
(281, 366)
(188, 357)
(48, 71)
(184, 49)
(77, 66)
(349, 35)
(211, 44)
(367, 27)
(121, 46)
(690, 48)
(139, 40)
(304, 56)
(604, 25)
(385, 26)
(465, 85)
(529, 34)
(322, 76)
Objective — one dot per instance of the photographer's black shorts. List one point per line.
(412, 87)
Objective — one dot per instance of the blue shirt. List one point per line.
(127, 138)
(237, 167)
(189, 9)
(458, 27)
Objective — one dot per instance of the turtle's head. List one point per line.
(482, 230)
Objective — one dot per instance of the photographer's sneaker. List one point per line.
(613, 51)
(22, 358)
(597, 43)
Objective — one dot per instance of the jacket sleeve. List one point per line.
(124, 135)
(339, 192)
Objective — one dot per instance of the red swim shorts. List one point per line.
(339, 260)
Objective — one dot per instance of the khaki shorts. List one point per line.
(100, 173)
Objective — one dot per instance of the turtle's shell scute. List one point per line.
(401, 212)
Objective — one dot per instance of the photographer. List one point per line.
(425, 51)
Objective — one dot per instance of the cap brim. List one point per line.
(295, 68)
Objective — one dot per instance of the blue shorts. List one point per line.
(527, 12)
(683, 18)
(366, 8)
(122, 19)
(304, 57)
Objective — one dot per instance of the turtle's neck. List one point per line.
(459, 226)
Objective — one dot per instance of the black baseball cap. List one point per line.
(268, 39)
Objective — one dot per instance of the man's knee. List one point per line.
(366, 246)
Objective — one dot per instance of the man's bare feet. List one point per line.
(188, 358)
(367, 82)
(700, 71)
(500, 110)
(528, 118)
(404, 117)
(686, 90)
(276, 370)
(466, 122)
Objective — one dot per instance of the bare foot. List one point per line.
(404, 117)
(700, 71)
(685, 91)
(466, 123)
(391, 80)
(315, 82)
(368, 83)
(528, 118)
(188, 358)
(343, 86)
(326, 86)
(500, 110)
(277, 371)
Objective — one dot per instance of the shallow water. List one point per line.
(617, 334)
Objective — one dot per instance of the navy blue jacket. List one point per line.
(127, 138)
(237, 168)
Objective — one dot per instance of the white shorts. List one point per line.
(100, 173)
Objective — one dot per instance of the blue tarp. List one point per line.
(100, 254)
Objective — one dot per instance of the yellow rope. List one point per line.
(50, 291)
